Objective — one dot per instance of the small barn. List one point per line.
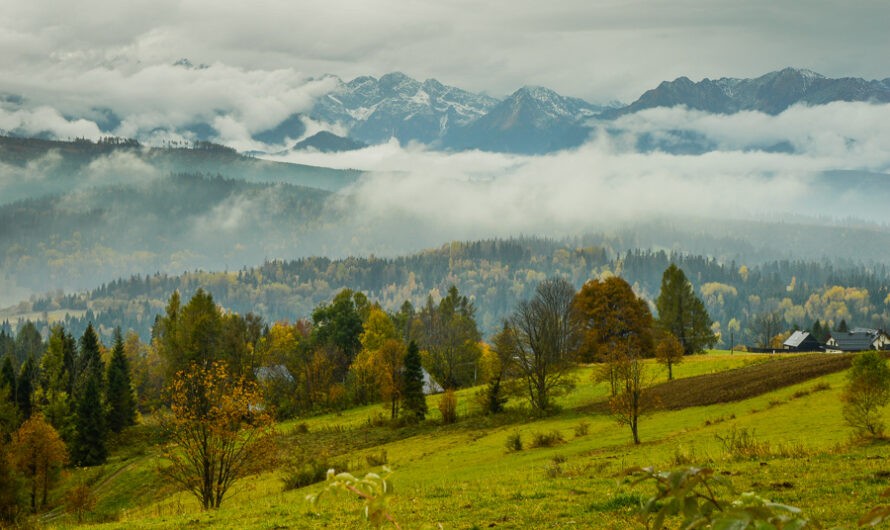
(802, 341)
(858, 339)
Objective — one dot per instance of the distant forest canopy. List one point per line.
(495, 275)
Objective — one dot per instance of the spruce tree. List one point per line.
(682, 313)
(842, 327)
(89, 362)
(119, 395)
(7, 376)
(25, 387)
(817, 331)
(413, 399)
(88, 448)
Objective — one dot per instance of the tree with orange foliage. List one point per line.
(37, 453)
(614, 321)
(669, 351)
(219, 431)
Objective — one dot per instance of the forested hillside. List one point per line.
(495, 274)
(178, 222)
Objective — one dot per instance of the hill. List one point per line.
(496, 274)
(49, 166)
(462, 475)
(174, 222)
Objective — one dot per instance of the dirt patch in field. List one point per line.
(743, 383)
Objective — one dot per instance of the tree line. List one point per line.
(495, 275)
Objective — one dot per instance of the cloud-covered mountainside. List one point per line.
(277, 111)
(809, 182)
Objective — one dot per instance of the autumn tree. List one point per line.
(119, 396)
(682, 313)
(385, 352)
(448, 335)
(38, 452)
(633, 399)
(219, 431)
(613, 321)
(414, 406)
(545, 334)
(669, 352)
(867, 393)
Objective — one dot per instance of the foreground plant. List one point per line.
(698, 496)
(373, 489)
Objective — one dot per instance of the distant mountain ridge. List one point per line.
(771, 93)
(532, 120)
(537, 120)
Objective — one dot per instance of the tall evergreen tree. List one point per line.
(119, 396)
(842, 327)
(816, 330)
(7, 376)
(25, 387)
(682, 313)
(58, 363)
(88, 447)
(89, 362)
(413, 400)
(7, 343)
(28, 342)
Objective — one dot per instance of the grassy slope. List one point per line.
(461, 475)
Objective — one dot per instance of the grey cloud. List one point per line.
(597, 50)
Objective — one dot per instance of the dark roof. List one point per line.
(796, 339)
(857, 340)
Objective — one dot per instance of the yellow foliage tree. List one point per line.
(219, 431)
(38, 452)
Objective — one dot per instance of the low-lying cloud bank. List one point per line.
(609, 180)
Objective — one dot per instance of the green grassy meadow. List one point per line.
(463, 476)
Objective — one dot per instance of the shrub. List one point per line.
(546, 439)
(582, 429)
(448, 407)
(698, 496)
(303, 470)
(79, 501)
(867, 392)
(514, 442)
(741, 444)
(377, 459)
(553, 470)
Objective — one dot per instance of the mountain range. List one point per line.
(532, 120)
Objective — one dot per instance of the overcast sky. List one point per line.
(596, 49)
